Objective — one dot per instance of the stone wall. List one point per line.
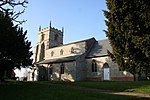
(115, 73)
(81, 68)
(78, 48)
(69, 72)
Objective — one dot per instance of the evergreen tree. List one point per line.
(14, 46)
(128, 23)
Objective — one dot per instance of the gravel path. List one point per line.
(132, 94)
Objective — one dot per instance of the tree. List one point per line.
(9, 7)
(128, 23)
(14, 46)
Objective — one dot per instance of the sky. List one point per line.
(81, 19)
(21, 72)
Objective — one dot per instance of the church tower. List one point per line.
(48, 37)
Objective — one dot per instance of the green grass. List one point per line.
(138, 86)
(121, 86)
(66, 90)
(143, 89)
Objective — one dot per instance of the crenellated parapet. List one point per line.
(41, 30)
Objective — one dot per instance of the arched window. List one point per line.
(72, 50)
(94, 66)
(52, 53)
(47, 46)
(56, 37)
(42, 37)
(62, 69)
(61, 52)
(42, 54)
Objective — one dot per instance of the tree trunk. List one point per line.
(134, 76)
(2, 76)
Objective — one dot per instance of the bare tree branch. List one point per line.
(8, 7)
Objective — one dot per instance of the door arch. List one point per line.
(106, 73)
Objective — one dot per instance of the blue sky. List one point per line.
(81, 19)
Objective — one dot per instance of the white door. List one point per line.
(106, 74)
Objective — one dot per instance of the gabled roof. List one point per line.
(100, 48)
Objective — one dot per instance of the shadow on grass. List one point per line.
(57, 91)
(116, 86)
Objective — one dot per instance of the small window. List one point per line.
(52, 53)
(61, 52)
(72, 50)
(94, 66)
(56, 37)
(42, 54)
(62, 69)
(47, 45)
(42, 37)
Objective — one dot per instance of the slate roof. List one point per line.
(100, 48)
(59, 59)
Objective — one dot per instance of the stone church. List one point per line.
(81, 60)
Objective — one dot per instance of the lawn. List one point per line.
(69, 91)
(138, 86)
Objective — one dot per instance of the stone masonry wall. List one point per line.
(115, 73)
(78, 48)
(69, 72)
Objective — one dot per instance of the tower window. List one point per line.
(47, 45)
(61, 52)
(42, 52)
(56, 37)
(94, 66)
(42, 37)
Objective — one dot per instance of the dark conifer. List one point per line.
(128, 23)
